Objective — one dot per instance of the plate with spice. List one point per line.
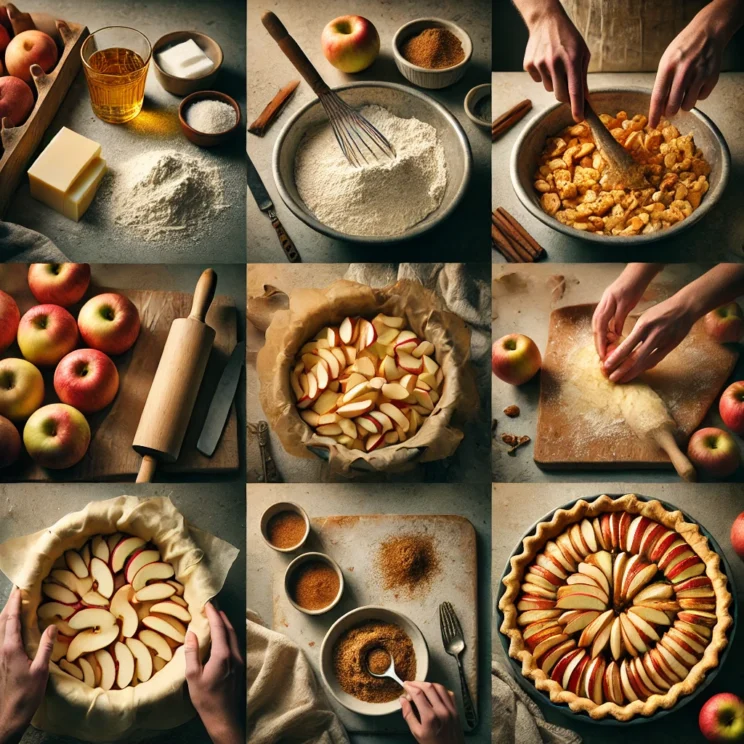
(361, 639)
(431, 52)
(208, 118)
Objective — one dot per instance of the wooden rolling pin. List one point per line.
(171, 399)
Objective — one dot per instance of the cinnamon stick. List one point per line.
(273, 109)
(509, 118)
(537, 249)
(503, 247)
(517, 245)
(505, 242)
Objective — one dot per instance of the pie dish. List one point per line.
(616, 607)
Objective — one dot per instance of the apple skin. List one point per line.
(21, 389)
(86, 379)
(515, 359)
(10, 443)
(737, 535)
(4, 38)
(46, 333)
(110, 323)
(721, 719)
(57, 436)
(350, 43)
(731, 407)
(30, 48)
(10, 317)
(725, 324)
(714, 451)
(4, 20)
(61, 284)
(16, 99)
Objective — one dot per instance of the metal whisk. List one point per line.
(356, 136)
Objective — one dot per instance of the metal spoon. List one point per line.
(390, 672)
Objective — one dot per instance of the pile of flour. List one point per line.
(162, 192)
(385, 197)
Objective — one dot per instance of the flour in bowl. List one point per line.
(383, 198)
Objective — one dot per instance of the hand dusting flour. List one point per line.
(385, 197)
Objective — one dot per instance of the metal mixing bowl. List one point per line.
(609, 101)
(403, 102)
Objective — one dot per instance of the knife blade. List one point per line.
(222, 399)
(265, 204)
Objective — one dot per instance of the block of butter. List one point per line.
(185, 60)
(68, 173)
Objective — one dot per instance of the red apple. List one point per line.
(515, 358)
(350, 43)
(737, 535)
(731, 407)
(10, 443)
(58, 284)
(46, 333)
(110, 323)
(57, 436)
(10, 317)
(16, 100)
(30, 48)
(714, 451)
(4, 20)
(725, 324)
(4, 38)
(721, 719)
(21, 389)
(86, 379)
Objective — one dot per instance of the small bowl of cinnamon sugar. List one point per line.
(285, 526)
(431, 52)
(314, 583)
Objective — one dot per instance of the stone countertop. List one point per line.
(467, 464)
(465, 232)
(216, 508)
(718, 237)
(716, 506)
(326, 500)
(95, 238)
(522, 303)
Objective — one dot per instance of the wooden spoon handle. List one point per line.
(203, 295)
(293, 52)
(682, 465)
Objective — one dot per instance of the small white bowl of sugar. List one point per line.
(208, 117)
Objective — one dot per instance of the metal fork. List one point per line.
(453, 641)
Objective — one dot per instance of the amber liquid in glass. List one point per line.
(116, 82)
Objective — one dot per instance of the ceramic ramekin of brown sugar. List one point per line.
(314, 583)
(330, 648)
(285, 526)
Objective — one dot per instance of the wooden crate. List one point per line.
(20, 143)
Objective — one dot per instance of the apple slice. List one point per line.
(58, 593)
(94, 599)
(355, 392)
(123, 549)
(142, 658)
(60, 648)
(173, 609)
(140, 560)
(76, 564)
(408, 362)
(347, 331)
(49, 610)
(154, 592)
(392, 321)
(103, 577)
(355, 408)
(99, 548)
(157, 643)
(321, 374)
(72, 669)
(89, 675)
(92, 617)
(367, 334)
(121, 608)
(424, 348)
(325, 403)
(374, 441)
(390, 370)
(650, 615)
(108, 668)
(152, 572)
(329, 430)
(124, 665)
(425, 400)
(394, 391)
(311, 418)
(659, 590)
(90, 641)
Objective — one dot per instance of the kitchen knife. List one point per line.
(219, 408)
(261, 195)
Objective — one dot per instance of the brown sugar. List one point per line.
(408, 562)
(314, 585)
(356, 645)
(286, 529)
(433, 48)
(378, 661)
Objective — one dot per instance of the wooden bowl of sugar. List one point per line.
(209, 118)
(180, 67)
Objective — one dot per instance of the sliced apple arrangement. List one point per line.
(617, 608)
(119, 612)
(368, 383)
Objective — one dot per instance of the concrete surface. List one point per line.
(466, 231)
(324, 500)
(95, 238)
(716, 506)
(522, 302)
(219, 509)
(467, 464)
(717, 237)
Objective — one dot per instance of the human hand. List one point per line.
(22, 681)
(558, 56)
(658, 331)
(217, 687)
(435, 719)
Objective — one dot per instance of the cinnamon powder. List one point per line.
(286, 529)
(433, 48)
(314, 585)
(408, 562)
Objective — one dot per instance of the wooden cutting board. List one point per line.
(353, 542)
(688, 380)
(110, 456)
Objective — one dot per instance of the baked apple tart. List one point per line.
(617, 607)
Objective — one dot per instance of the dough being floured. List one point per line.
(637, 403)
